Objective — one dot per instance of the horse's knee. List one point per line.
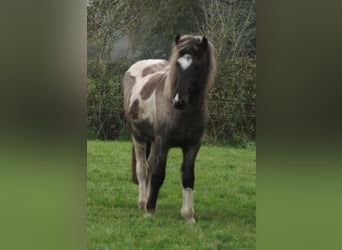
(141, 171)
(157, 180)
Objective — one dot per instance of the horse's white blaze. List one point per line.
(137, 68)
(185, 61)
(187, 210)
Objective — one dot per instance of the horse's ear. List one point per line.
(177, 39)
(204, 44)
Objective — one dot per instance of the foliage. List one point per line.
(107, 20)
(225, 209)
(232, 102)
(105, 118)
(163, 21)
(105, 99)
(231, 26)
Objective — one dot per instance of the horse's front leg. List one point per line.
(141, 170)
(188, 179)
(151, 166)
(157, 161)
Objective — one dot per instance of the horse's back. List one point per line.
(149, 66)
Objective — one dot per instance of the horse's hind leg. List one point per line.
(141, 171)
(188, 179)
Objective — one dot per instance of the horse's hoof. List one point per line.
(141, 205)
(148, 215)
(188, 215)
(149, 212)
(190, 221)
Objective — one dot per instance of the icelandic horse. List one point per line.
(165, 105)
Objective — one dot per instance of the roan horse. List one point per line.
(165, 105)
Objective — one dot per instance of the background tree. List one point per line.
(231, 26)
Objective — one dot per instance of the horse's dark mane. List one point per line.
(184, 42)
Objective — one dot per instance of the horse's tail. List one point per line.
(134, 162)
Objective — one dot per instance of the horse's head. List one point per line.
(191, 73)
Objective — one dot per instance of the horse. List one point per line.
(165, 104)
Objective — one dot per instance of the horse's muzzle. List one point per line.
(178, 103)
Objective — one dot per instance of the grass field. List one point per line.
(224, 201)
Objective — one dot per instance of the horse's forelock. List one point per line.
(185, 42)
(171, 76)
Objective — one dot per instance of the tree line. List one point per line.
(147, 29)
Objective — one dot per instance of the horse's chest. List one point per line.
(188, 131)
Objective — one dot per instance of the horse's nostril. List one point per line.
(176, 99)
(179, 104)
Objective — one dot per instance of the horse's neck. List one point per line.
(199, 102)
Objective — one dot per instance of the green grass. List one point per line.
(224, 201)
